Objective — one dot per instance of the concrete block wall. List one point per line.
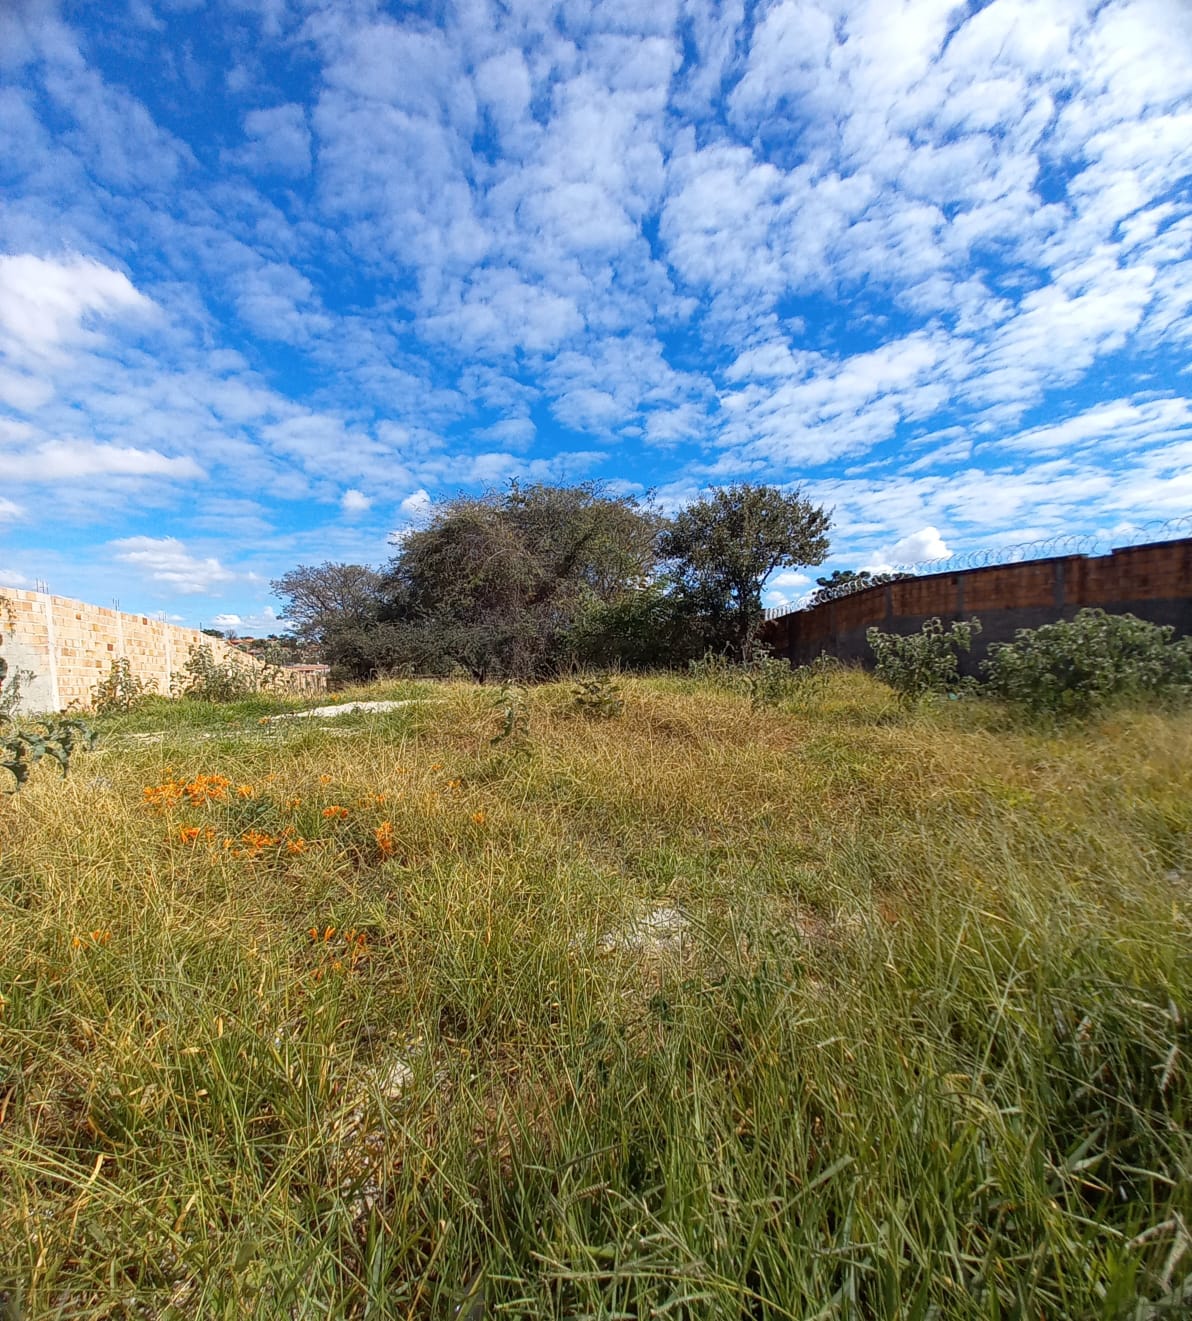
(70, 645)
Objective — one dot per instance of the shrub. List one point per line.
(207, 680)
(1077, 666)
(121, 690)
(924, 662)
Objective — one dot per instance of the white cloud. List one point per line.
(225, 621)
(915, 547)
(354, 502)
(417, 506)
(279, 140)
(47, 304)
(787, 587)
(10, 511)
(14, 578)
(70, 460)
(166, 562)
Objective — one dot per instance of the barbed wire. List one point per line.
(1043, 548)
(1054, 547)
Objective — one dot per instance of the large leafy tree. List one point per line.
(325, 600)
(723, 548)
(495, 583)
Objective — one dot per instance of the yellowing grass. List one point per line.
(831, 1010)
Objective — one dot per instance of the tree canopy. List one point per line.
(526, 581)
(324, 599)
(722, 549)
(496, 582)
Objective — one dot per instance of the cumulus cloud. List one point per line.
(48, 304)
(166, 562)
(937, 270)
(915, 547)
(416, 507)
(10, 511)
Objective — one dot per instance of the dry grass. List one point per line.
(920, 1048)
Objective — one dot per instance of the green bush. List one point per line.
(1081, 665)
(24, 742)
(925, 662)
(207, 680)
(121, 690)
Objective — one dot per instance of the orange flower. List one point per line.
(324, 779)
(188, 834)
(296, 845)
(245, 790)
(292, 803)
(438, 766)
(335, 812)
(478, 817)
(384, 838)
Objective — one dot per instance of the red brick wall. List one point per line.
(1152, 581)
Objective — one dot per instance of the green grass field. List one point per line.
(829, 1010)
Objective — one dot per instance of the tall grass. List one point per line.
(914, 1045)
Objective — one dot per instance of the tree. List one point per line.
(325, 599)
(723, 548)
(495, 582)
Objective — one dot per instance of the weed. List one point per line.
(24, 741)
(514, 731)
(120, 691)
(598, 697)
(205, 679)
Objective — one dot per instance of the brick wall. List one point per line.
(1153, 582)
(69, 646)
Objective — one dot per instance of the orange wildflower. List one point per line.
(384, 837)
(245, 790)
(324, 779)
(478, 817)
(296, 845)
(188, 834)
(335, 812)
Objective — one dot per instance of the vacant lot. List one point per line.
(827, 1010)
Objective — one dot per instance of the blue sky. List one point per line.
(276, 275)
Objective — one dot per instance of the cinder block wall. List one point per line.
(70, 645)
(1153, 582)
